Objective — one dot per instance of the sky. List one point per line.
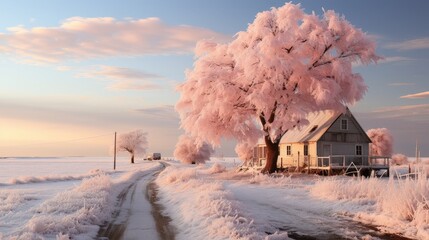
(74, 72)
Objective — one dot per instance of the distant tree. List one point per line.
(135, 143)
(188, 150)
(244, 151)
(269, 78)
(399, 159)
(382, 141)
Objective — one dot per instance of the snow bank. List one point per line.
(399, 206)
(202, 209)
(52, 178)
(77, 212)
(11, 199)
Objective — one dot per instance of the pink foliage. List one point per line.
(244, 151)
(134, 142)
(188, 150)
(285, 65)
(399, 159)
(382, 141)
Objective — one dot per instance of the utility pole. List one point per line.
(114, 153)
(417, 151)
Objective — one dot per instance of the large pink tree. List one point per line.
(263, 83)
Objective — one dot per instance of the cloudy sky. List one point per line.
(74, 72)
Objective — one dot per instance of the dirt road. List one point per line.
(139, 216)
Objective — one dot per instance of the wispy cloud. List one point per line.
(124, 78)
(409, 112)
(165, 114)
(417, 95)
(390, 59)
(119, 73)
(86, 38)
(400, 84)
(395, 59)
(413, 44)
(63, 68)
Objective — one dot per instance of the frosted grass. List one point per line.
(399, 206)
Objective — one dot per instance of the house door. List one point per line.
(327, 150)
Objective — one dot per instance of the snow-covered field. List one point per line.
(213, 201)
(58, 198)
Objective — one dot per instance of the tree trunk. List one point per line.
(132, 158)
(272, 155)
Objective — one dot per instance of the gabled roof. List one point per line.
(319, 123)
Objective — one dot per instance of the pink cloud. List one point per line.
(118, 73)
(416, 112)
(419, 43)
(131, 85)
(85, 38)
(391, 59)
(124, 78)
(417, 95)
(160, 112)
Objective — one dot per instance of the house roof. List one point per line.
(319, 123)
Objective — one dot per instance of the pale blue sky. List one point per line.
(53, 90)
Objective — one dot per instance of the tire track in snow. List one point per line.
(139, 214)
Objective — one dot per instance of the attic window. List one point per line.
(313, 128)
(344, 124)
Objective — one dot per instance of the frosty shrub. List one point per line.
(76, 212)
(399, 159)
(397, 203)
(188, 150)
(244, 150)
(285, 65)
(217, 168)
(382, 141)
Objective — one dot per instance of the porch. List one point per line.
(331, 165)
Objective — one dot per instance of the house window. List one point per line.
(344, 124)
(305, 150)
(359, 150)
(288, 150)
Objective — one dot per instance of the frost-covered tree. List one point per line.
(135, 143)
(244, 151)
(188, 150)
(271, 76)
(382, 141)
(399, 159)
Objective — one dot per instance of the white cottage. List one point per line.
(332, 141)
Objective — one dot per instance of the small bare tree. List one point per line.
(135, 143)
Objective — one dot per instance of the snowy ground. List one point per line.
(58, 198)
(213, 201)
